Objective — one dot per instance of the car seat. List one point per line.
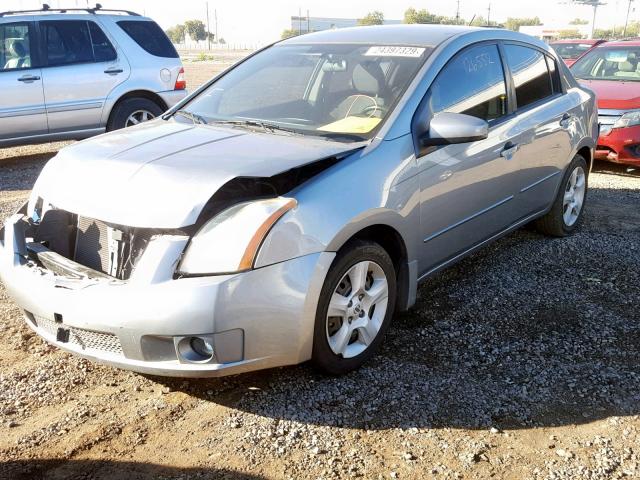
(20, 54)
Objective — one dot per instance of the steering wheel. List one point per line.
(371, 110)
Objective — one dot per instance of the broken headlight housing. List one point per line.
(629, 119)
(229, 242)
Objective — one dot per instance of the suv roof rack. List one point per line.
(46, 8)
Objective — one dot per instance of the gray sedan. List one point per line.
(287, 209)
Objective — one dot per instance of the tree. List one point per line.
(289, 32)
(196, 30)
(579, 21)
(411, 15)
(515, 23)
(372, 18)
(562, 34)
(176, 34)
(222, 41)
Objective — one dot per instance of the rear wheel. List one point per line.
(566, 213)
(355, 308)
(133, 111)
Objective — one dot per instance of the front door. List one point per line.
(468, 189)
(22, 109)
(81, 68)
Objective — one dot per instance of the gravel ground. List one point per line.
(520, 362)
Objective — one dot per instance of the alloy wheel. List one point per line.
(574, 196)
(357, 309)
(139, 116)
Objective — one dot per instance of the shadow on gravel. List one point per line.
(532, 331)
(50, 469)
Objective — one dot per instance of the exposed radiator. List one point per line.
(92, 244)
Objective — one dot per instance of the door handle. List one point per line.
(113, 71)
(509, 150)
(28, 78)
(564, 121)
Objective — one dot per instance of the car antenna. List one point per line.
(472, 19)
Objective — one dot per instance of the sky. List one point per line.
(258, 22)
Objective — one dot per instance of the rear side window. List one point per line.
(530, 74)
(103, 51)
(471, 83)
(66, 42)
(150, 37)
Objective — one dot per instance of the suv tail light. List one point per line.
(181, 83)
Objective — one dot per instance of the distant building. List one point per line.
(316, 24)
(552, 32)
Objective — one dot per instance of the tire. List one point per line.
(557, 222)
(359, 338)
(126, 108)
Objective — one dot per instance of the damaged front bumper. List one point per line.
(257, 319)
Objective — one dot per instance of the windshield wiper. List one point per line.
(194, 117)
(266, 126)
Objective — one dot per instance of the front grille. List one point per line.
(92, 244)
(85, 339)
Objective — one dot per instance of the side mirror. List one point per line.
(447, 128)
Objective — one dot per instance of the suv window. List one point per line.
(150, 37)
(530, 74)
(471, 83)
(66, 42)
(15, 48)
(75, 41)
(103, 51)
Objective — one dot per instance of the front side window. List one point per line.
(471, 83)
(15, 46)
(609, 63)
(530, 74)
(341, 91)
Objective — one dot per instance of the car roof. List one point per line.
(34, 17)
(632, 42)
(415, 35)
(588, 41)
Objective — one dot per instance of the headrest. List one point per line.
(368, 78)
(626, 67)
(17, 48)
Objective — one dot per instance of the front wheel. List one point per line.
(355, 308)
(568, 207)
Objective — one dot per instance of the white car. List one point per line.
(70, 74)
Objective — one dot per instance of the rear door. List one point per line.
(22, 108)
(468, 189)
(81, 67)
(545, 125)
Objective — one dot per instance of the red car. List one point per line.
(612, 71)
(572, 50)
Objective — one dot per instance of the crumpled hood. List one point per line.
(162, 173)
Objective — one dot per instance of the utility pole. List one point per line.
(594, 4)
(458, 13)
(299, 21)
(215, 19)
(626, 22)
(308, 22)
(489, 14)
(208, 28)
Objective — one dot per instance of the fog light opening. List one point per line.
(196, 349)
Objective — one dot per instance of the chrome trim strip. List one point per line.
(74, 106)
(22, 112)
(610, 112)
(465, 220)
(538, 182)
(479, 245)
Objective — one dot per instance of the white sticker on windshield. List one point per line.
(394, 51)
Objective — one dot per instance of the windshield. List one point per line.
(570, 51)
(612, 63)
(343, 92)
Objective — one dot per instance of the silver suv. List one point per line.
(71, 74)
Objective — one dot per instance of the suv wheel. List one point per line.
(566, 213)
(355, 308)
(133, 111)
